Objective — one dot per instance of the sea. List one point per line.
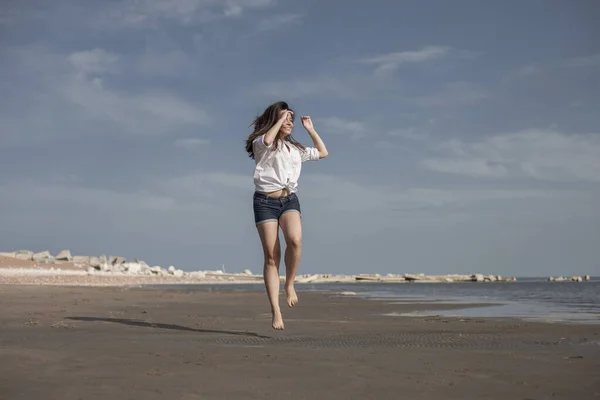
(533, 299)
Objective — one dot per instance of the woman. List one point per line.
(278, 159)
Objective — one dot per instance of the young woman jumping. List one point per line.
(279, 158)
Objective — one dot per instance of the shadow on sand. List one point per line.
(144, 324)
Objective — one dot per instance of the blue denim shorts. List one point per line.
(267, 209)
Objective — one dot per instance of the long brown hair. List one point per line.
(265, 121)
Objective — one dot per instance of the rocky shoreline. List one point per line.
(28, 267)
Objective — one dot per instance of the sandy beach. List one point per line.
(62, 342)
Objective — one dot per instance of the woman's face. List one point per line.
(287, 126)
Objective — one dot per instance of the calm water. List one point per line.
(527, 298)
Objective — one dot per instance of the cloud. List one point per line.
(277, 21)
(452, 95)
(340, 126)
(585, 61)
(95, 61)
(149, 13)
(545, 155)
(145, 113)
(87, 92)
(319, 86)
(410, 133)
(392, 61)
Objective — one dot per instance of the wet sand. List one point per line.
(59, 342)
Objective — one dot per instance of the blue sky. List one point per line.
(464, 136)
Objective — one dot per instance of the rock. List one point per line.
(106, 267)
(247, 272)
(198, 274)
(586, 278)
(156, 269)
(132, 267)
(367, 278)
(91, 270)
(551, 279)
(64, 255)
(81, 259)
(477, 278)
(24, 255)
(42, 255)
(116, 260)
(178, 273)
(95, 262)
(171, 269)
(103, 259)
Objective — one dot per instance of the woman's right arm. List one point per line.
(272, 133)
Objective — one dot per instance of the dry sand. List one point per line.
(133, 343)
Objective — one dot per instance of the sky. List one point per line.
(463, 136)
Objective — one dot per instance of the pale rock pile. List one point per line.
(571, 279)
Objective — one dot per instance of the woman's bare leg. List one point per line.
(269, 237)
(291, 226)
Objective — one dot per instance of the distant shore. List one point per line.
(26, 267)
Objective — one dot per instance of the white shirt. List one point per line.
(279, 168)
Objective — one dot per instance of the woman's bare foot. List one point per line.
(277, 320)
(292, 298)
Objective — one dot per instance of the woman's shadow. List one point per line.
(144, 324)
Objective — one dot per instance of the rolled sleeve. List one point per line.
(260, 141)
(310, 154)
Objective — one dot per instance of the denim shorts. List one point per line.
(267, 209)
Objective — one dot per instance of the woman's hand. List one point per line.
(283, 115)
(307, 123)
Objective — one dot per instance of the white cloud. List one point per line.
(146, 13)
(452, 95)
(546, 155)
(146, 113)
(340, 126)
(277, 21)
(77, 91)
(95, 61)
(391, 61)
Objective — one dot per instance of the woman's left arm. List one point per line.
(308, 125)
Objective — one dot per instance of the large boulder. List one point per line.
(64, 255)
(95, 262)
(81, 259)
(42, 255)
(132, 267)
(116, 260)
(477, 278)
(24, 255)
(178, 273)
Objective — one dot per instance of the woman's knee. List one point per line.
(271, 260)
(294, 242)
